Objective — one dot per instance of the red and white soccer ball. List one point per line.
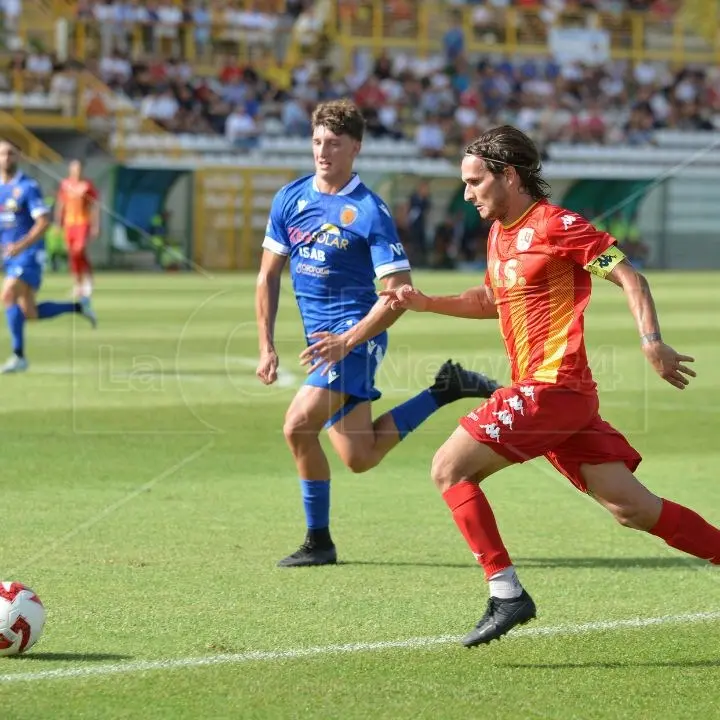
(22, 618)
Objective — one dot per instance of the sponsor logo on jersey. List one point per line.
(314, 270)
(524, 239)
(348, 215)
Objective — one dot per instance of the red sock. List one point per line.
(685, 530)
(475, 519)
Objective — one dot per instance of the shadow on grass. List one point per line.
(614, 665)
(71, 657)
(610, 563)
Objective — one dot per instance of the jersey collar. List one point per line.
(346, 190)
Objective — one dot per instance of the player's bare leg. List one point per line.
(310, 409)
(634, 506)
(362, 443)
(20, 306)
(458, 468)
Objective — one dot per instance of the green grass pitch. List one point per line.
(147, 494)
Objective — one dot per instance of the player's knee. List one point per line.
(298, 429)
(8, 296)
(633, 516)
(444, 471)
(360, 462)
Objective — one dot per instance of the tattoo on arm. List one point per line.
(650, 338)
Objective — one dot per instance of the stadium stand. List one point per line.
(625, 87)
(239, 79)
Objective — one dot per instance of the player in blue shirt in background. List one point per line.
(339, 237)
(24, 218)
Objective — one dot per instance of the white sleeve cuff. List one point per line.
(389, 268)
(275, 247)
(39, 212)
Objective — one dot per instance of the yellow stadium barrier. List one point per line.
(31, 146)
(230, 212)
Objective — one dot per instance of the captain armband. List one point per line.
(603, 264)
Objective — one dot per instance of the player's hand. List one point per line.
(328, 350)
(669, 364)
(406, 297)
(267, 367)
(12, 249)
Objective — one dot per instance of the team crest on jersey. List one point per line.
(348, 215)
(524, 239)
(17, 192)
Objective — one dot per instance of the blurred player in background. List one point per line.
(77, 212)
(339, 237)
(540, 258)
(24, 217)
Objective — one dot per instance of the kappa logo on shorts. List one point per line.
(528, 391)
(516, 403)
(505, 417)
(333, 375)
(492, 431)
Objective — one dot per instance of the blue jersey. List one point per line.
(338, 244)
(21, 204)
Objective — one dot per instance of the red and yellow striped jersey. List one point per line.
(77, 198)
(539, 270)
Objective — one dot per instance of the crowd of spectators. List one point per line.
(439, 102)
(440, 105)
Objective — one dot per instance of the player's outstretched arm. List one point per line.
(476, 303)
(667, 362)
(267, 300)
(330, 348)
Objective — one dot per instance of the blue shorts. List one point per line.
(354, 376)
(30, 274)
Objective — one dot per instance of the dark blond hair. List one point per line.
(506, 146)
(342, 117)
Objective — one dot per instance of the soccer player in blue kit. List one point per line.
(24, 218)
(339, 237)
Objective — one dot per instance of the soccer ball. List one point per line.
(22, 617)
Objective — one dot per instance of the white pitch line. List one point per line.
(418, 643)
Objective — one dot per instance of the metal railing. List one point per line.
(420, 27)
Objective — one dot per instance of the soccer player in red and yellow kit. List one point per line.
(77, 212)
(540, 261)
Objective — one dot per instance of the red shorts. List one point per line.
(522, 422)
(76, 237)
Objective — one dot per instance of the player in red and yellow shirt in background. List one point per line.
(538, 283)
(77, 211)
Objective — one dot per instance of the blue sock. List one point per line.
(47, 310)
(414, 412)
(316, 498)
(16, 322)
